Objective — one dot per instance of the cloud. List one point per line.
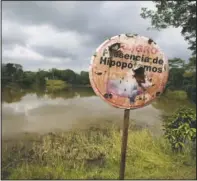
(12, 33)
(65, 34)
(173, 44)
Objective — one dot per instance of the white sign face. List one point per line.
(128, 71)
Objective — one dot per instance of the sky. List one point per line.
(65, 34)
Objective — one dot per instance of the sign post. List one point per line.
(128, 72)
(124, 143)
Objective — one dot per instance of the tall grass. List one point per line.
(177, 95)
(93, 154)
(56, 85)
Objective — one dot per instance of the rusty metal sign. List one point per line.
(128, 71)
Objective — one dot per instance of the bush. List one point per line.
(56, 85)
(180, 128)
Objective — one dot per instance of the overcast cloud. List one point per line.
(64, 34)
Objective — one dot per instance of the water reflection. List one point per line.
(10, 95)
(168, 106)
(30, 111)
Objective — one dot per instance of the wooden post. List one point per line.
(124, 143)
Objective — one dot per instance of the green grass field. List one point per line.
(93, 154)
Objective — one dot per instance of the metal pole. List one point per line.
(124, 143)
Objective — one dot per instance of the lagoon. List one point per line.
(41, 112)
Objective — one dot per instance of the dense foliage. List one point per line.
(182, 76)
(180, 128)
(181, 14)
(176, 14)
(13, 75)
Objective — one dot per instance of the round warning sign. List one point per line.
(128, 71)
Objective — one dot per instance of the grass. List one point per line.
(177, 95)
(93, 154)
(56, 85)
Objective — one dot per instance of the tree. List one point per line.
(14, 70)
(175, 80)
(5, 77)
(84, 77)
(182, 76)
(40, 79)
(69, 76)
(29, 78)
(177, 14)
(78, 79)
(176, 63)
(11, 73)
(191, 66)
(190, 78)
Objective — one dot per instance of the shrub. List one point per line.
(180, 128)
(56, 85)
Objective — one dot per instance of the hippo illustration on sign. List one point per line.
(129, 87)
(128, 71)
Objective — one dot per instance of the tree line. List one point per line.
(13, 75)
(182, 76)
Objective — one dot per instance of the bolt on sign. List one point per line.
(128, 71)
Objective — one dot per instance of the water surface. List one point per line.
(41, 112)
